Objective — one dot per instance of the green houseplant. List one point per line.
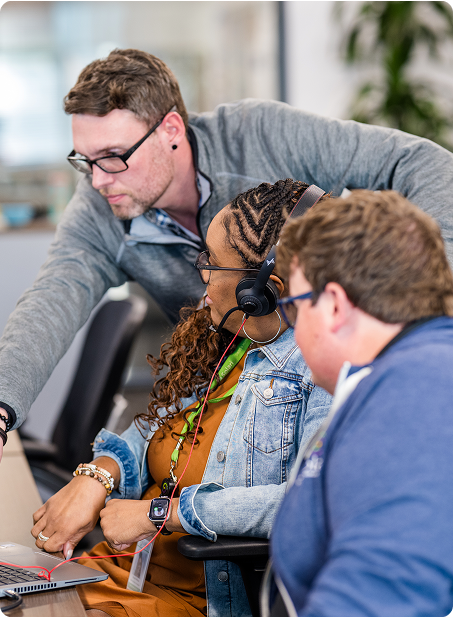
(392, 34)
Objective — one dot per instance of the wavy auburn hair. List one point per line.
(252, 222)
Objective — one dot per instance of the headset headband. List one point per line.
(309, 198)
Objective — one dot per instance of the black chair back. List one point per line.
(97, 379)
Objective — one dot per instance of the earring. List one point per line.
(271, 339)
(174, 146)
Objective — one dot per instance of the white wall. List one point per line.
(317, 80)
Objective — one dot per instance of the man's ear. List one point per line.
(340, 308)
(173, 128)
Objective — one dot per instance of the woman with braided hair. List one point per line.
(260, 410)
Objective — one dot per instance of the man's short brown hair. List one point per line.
(386, 253)
(126, 79)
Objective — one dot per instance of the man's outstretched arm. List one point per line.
(80, 268)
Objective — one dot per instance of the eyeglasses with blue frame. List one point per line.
(285, 304)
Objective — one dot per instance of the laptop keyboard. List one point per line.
(10, 575)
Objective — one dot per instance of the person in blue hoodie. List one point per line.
(365, 528)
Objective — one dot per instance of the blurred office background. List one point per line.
(220, 51)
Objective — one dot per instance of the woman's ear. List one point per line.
(278, 282)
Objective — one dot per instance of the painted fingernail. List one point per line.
(69, 553)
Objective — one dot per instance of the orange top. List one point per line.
(174, 585)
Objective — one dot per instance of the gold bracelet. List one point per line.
(85, 470)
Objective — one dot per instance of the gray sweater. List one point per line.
(236, 147)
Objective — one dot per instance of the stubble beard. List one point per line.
(136, 207)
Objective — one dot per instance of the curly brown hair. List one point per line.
(252, 223)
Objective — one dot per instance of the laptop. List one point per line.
(23, 580)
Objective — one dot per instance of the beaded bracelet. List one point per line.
(108, 476)
(5, 420)
(99, 470)
(84, 471)
(104, 477)
(4, 436)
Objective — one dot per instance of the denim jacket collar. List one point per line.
(280, 351)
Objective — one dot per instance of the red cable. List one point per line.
(49, 572)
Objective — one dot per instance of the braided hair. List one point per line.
(255, 218)
(252, 221)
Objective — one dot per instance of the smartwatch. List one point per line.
(157, 513)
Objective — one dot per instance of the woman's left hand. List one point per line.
(125, 521)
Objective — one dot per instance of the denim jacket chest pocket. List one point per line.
(269, 430)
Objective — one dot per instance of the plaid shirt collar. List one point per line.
(162, 219)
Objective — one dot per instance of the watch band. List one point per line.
(163, 530)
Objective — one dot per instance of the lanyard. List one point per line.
(231, 361)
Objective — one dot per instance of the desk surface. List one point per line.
(20, 498)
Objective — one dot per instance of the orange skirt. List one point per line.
(112, 597)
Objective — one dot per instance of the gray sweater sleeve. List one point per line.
(338, 154)
(79, 269)
(272, 140)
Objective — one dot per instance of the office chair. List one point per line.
(250, 554)
(91, 396)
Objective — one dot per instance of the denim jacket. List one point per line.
(251, 456)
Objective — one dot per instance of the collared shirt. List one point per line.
(162, 219)
(158, 227)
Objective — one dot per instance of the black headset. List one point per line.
(258, 296)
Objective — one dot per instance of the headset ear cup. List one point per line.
(246, 298)
(256, 303)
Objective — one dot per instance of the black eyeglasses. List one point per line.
(289, 303)
(112, 163)
(204, 267)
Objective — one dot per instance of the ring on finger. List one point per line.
(42, 537)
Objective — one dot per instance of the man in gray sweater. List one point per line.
(154, 177)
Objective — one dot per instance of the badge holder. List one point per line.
(140, 562)
(139, 568)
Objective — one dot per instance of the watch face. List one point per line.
(159, 508)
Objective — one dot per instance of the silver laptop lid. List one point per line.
(67, 575)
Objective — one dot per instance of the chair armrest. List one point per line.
(226, 547)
